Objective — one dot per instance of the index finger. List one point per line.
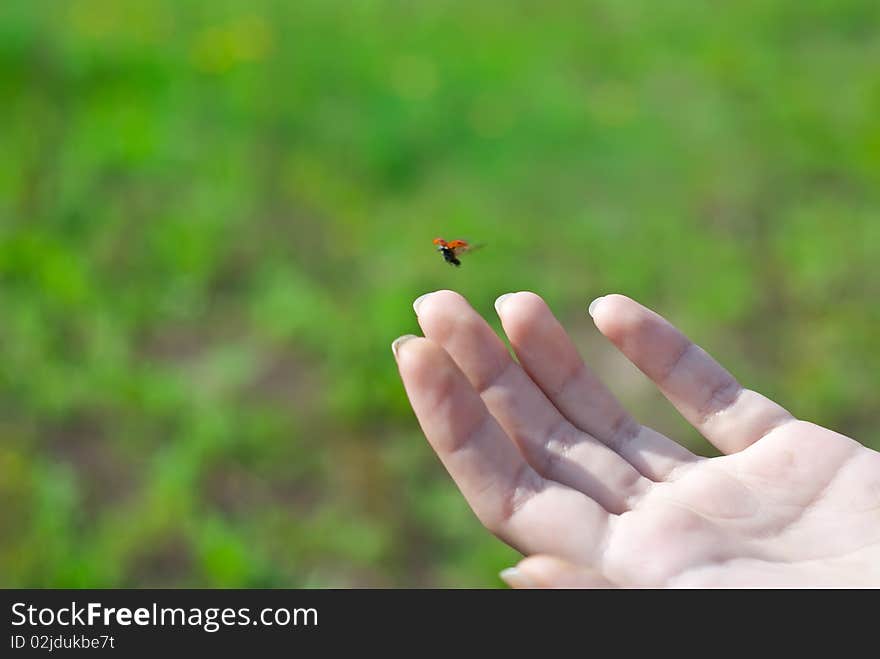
(509, 497)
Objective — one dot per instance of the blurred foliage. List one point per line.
(214, 216)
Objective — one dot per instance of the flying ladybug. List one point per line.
(453, 249)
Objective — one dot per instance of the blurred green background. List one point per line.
(214, 216)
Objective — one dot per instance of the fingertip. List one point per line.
(416, 355)
(398, 343)
(551, 572)
(540, 571)
(516, 579)
(541, 564)
(427, 303)
(616, 315)
(499, 301)
(418, 302)
(520, 305)
(602, 304)
(530, 299)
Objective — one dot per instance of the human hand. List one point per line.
(553, 465)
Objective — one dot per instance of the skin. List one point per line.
(552, 464)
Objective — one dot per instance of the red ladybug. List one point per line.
(453, 249)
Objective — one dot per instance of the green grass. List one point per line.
(214, 217)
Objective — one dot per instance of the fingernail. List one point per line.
(514, 578)
(500, 301)
(399, 341)
(418, 301)
(595, 305)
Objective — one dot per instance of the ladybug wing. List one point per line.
(459, 246)
(464, 247)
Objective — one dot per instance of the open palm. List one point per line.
(552, 464)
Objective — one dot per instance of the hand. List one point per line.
(553, 465)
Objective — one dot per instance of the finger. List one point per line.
(551, 359)
(555, 448)
(709, 397)
(551, 572)
(507, 495)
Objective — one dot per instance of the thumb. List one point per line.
(541, 571)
